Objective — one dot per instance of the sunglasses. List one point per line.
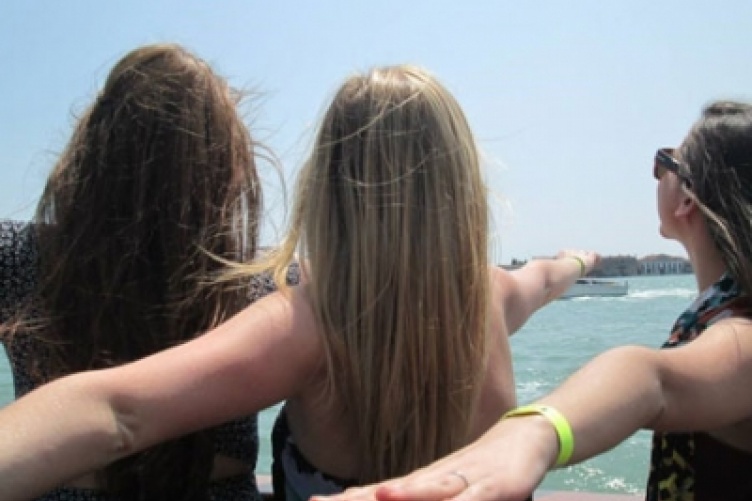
(665, 162)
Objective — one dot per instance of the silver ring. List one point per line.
(461, 476)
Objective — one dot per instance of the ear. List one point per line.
(686, 207)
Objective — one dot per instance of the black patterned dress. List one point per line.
(694, 466)
(18, 267)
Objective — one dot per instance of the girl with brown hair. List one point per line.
(158, 175)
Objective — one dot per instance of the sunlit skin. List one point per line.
(701, 386)
(286, 347)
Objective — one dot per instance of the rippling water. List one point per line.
(566, 334)
(553, 344)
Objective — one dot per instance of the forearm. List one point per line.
(605, 402)
(561, 274)
(525, 290)
(609, 399)
(555, 276)
(55, 433)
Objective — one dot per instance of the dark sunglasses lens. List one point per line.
(658, 170)
(664, 161)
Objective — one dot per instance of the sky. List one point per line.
(568, 100)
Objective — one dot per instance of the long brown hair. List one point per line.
(391, 223)
(158, 175)
(718, 155)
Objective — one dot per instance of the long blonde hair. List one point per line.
(391, 225)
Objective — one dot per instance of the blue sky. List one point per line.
(568, 100)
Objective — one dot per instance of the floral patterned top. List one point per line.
(18, 275)
(695, 466)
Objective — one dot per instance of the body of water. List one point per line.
(553, 344)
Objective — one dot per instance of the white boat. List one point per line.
(596, 287)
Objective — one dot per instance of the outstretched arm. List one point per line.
(700, 386)
(82, 422)
(539, 282)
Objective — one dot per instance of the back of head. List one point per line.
(158, 168)
(718, 153)
(392, 216)
(159, 171)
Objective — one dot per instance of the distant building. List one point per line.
(616, 266)
(662, 264)
(625, 266)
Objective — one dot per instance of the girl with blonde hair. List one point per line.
(694, 393)
(393, 352)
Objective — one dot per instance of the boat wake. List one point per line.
(599, 298)
(677, 292)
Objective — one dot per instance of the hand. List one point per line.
(505, 464)
(589, 258)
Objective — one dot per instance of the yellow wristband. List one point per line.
(583, 267)
(561, 425)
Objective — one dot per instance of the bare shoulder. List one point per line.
(502, 281)
(733, 326)
(706, 383)
(497, 272)
(721, 355)
(517, 297)
(733, 334)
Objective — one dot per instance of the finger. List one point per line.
(427, 488)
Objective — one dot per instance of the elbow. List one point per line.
(123, 428)
(122, 435)
(540, 281)
(552, 284)
(113, 418)
(644, 391)
(654, 380)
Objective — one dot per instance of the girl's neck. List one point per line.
(707, 263)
